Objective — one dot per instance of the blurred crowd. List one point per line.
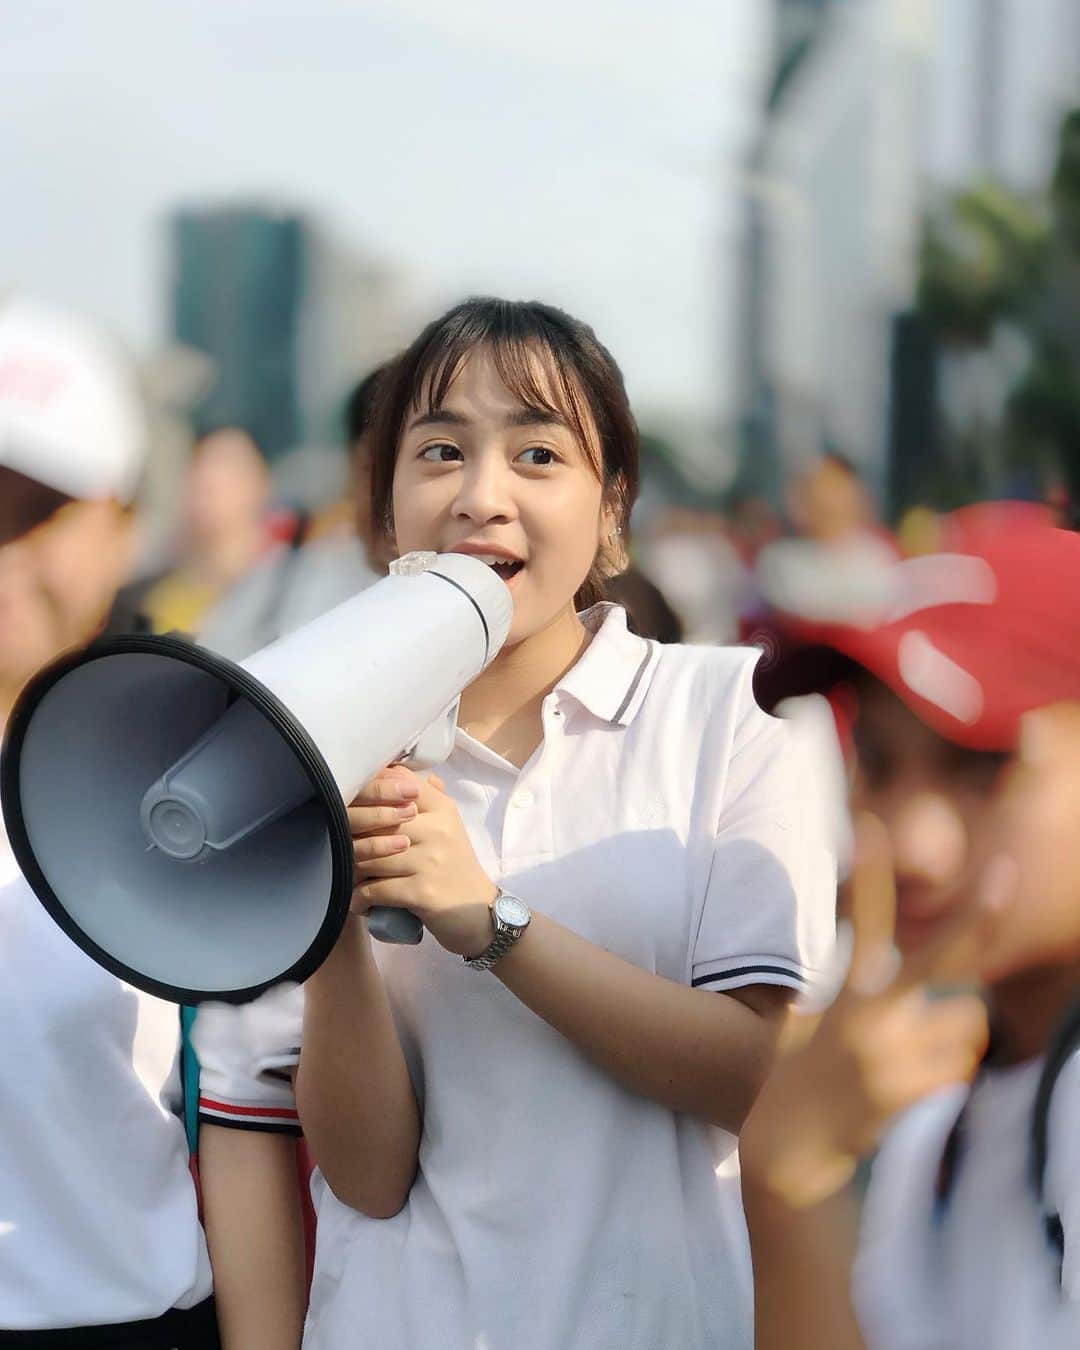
(940, 658)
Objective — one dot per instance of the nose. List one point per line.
(485, 495)
(929, 839)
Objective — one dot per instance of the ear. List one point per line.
(612, 549)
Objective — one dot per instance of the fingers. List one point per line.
(388, 788)
(391, 891)
(381, 855)
(372, 849)
(873, 907)
(958, 1030)
(957, 954)
(364, 819)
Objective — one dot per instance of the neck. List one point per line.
(502, 706)
(1027, 1008)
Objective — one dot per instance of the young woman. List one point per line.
(525, 1128)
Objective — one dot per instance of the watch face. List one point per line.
(509, 909)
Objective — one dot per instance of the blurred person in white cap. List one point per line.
(101, 1246)
(72, 436)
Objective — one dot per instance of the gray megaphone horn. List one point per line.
(183, 818)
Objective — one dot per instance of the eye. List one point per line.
(538, 455)
(442, 452)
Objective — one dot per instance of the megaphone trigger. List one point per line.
(434, 744)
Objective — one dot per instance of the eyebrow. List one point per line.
(522, 417)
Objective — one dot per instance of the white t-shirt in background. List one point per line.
(670, 821)
(978, 1273)
(98, 1219)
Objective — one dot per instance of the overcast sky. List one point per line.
(581, 151)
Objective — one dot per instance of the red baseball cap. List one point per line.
(980, 632)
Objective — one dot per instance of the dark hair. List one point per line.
(360, 406)
(584, 387)
(648, 611)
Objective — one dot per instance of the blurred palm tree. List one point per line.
(993, 262)
(982, 259)
(1044, 410)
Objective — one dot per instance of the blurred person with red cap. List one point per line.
(100, 1239)
(961, 685)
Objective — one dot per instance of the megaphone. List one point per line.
(183, 818)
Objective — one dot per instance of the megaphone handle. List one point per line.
(431, 748)
(394, 925)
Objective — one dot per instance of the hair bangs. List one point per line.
(528, 361)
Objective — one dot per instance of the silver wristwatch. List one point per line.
(509, 917)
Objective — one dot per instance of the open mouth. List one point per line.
(504, 568)
(507, 570)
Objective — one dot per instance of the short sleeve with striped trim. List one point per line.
(767, 916)
(245, 1056)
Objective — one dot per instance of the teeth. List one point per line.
(494, 560)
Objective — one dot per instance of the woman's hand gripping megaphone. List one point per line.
(431, 748)
(412, 854)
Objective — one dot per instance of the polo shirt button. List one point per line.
(523, 797)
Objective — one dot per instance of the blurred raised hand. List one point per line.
(895, 1033)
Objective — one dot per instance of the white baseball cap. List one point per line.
(71, 415)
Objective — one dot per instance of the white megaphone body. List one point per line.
(183, 818)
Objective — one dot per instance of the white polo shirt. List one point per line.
(98, 1218)
(667, 819)
(978, 1273)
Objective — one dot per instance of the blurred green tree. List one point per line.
(991, 262)
(982, 259)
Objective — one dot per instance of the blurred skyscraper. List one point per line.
(290, 318)
(875, 107)
(798, 24)
(237, 292)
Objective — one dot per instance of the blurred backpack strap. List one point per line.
(189, 1079)
(1065, 1044)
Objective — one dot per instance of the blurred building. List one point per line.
(798, 25)
(876, 107)
(358, 312)
(289, 316)
(237, 290)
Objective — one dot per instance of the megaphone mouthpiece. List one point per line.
(237, 778)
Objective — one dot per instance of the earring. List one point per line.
(614, 534)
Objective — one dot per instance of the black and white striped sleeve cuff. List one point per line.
(737, 972)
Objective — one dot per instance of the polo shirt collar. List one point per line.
(614, 674)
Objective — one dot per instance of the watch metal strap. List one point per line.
(501, 943)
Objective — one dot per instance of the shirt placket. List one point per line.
(527, 835)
